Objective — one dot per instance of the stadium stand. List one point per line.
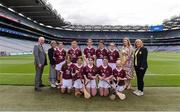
(12, 46)
(19, 31)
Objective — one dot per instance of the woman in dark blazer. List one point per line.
(140, 65)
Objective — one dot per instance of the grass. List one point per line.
(163, 70)
(23, 98)
(162, 83)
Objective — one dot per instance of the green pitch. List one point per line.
(16, 72)
(164, 70)
(23, 98)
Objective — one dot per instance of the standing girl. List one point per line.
(59, 55)
(101, 52)
(89, 51)
(74, 51)
(113, 55)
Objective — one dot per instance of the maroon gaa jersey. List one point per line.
(105, 71)
(80, 69)
(67, 71)
(89, 51)
(113, 56)
(90, 71)
(100, 53)
(59, 55)
(74, 53)
(119, 73)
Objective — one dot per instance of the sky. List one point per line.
(116, 12)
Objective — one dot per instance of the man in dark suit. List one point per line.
(39, 61)
(140, 65)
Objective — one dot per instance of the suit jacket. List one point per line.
(51, 56)
(39, 55)
(141, 58)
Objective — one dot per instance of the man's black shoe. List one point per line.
(42, 85)
(37, 89)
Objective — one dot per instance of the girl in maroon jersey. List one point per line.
(113, 55)
(89, 51)
(120, 76)
(101, 52)
(59, 55)
(78, 76)
(66, 71)
(105, 75)
(74, 51)
(90, 72)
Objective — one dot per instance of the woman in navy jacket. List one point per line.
(140, 65)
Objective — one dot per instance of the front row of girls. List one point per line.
(91, 77)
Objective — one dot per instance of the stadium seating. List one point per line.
(27, 32)
(10, 45)
(13, 46)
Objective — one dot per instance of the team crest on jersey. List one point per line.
(90, 70)
(103, 74)
(67, 72)
(89, 74)
(89, 54)
(104, 70)
(73, 55)
(111, 58)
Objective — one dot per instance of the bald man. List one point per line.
(39, 61)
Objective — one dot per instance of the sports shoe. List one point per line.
(138, 93)
(141, 93)
(53, 85)
(135, 92)
(57, 83)
(59, 86)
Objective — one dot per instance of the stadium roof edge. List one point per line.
(36, 10)
(42, 12)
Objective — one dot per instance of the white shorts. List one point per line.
(120, 88)
(91, 84)
(59, 66)
(66, 83)
(103, 84)
(78, 84)
(99, 62)
(112, 65)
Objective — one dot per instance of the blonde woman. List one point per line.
(126, 57)
(140, 65)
